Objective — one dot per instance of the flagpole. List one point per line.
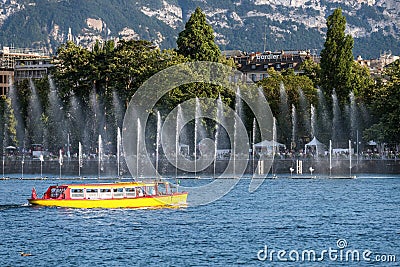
(41, 165)
(79, 159)
(60, 161)
(118, 150)
(100, 155)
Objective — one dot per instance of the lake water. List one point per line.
(240, 229)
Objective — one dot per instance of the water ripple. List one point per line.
(282, 214)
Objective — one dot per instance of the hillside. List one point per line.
(238, 24)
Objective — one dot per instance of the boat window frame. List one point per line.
(105, 193)
(130, 192)
(77, 195)
(150, 190)
(91, 193)
(118, 192)
(57, 191)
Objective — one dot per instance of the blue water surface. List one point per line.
(283, 214)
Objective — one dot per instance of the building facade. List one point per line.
(6, 78)
(378, 65)
(17, 64)
(255, 66)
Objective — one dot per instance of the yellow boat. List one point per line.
(111, 195)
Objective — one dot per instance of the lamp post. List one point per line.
(60, 160)
(3, 162)
(41, 165)
(22, 169)
(357, 147)
(68, 145)
(4, 144)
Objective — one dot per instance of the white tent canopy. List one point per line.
(319, 147)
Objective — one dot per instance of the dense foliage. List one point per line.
(88, 91)
(385, 104)
(196, 41)
(8, 127)
(337, 58)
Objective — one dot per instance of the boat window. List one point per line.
(130, 192)
(92, 193)
(105, 190)
(91, 190)
(150, 190)
(77, 193)
(105, 193)
(56, 192)
(140, 192)
(118, 192)
(162, 188)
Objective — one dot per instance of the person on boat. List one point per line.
(140, 192)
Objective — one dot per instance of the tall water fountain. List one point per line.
(323, 120)
(239, 112)
(284, 113)
(294, 127)
(253, 142)
(179, 126)
(34, 123)
(353, 117)
(119, 152)
(219, 121)
(100, 156)
(336, 121)
(158, 139)
(304, 113)
(196, 126)
(313, 121)
(59, 127)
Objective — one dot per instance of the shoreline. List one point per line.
(281, 167)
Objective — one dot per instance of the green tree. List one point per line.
(196, 41)
(9, 123)
(361, 81)
(311, 70)
(73, 70)
(337, 59)
(102, 56)
(386, 108)
(134, 61)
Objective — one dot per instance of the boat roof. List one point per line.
(109, 185)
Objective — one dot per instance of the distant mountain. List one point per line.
(238, 24)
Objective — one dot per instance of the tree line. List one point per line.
(97, 78)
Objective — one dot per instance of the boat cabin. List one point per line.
(107, 191)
